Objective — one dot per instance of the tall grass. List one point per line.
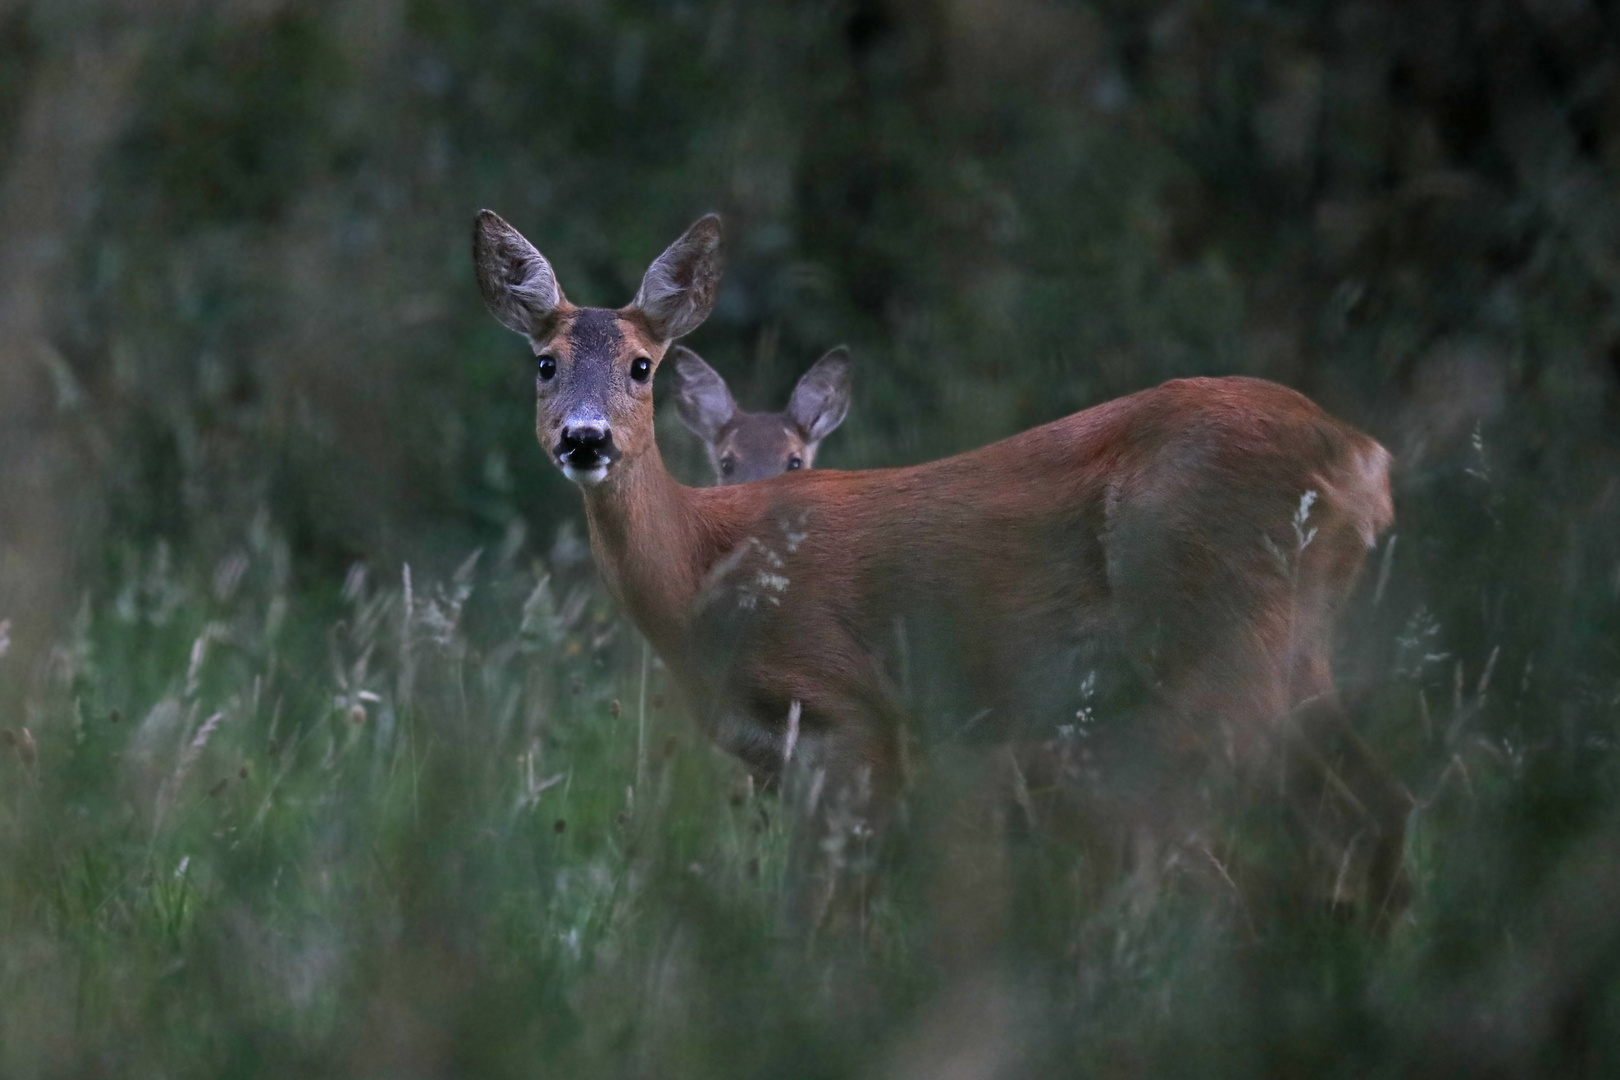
(403, 825)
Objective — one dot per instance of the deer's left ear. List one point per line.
(821, 400)
(679, 289)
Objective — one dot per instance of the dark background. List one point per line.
(236, 299)
(237, 277)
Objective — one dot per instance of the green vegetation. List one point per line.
(322, 753)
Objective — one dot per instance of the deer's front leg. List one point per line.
(841, 779)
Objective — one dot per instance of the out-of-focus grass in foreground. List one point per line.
(395, 826)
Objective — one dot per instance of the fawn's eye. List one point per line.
(547, 367)
(640, 368)
(795, 462)
(727, 466)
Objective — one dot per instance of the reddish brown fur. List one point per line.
(1166, 495)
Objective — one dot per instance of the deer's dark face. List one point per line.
(594, 367)
(755, 446)
(593, 390)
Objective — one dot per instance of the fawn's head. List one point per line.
(747, 446)
(594, 374)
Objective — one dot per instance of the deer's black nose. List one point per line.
(586, 437)
(586, 446)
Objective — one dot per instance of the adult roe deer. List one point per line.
(744, 446)
(1162, 570)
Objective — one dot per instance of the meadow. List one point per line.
(397, 825)
(322, 752)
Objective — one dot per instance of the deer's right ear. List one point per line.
(680, 286)
(701, 395)
(518, 284)
(821, 399)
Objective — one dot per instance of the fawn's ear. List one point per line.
(701, 395)
(679, 288)
(821, 400)
(518, 284)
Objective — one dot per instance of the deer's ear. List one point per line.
(679, 288)
(821, 400)
(701, 395)
(518, 284)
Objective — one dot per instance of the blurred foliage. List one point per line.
(242, 353)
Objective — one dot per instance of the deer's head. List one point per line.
(746, 446)
(595, 366)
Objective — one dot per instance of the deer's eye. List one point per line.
(728, 466)
(547, 367)
(795, 462)
(640, 368)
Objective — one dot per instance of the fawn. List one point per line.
(744, 446)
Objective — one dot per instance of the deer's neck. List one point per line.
(651, 547)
